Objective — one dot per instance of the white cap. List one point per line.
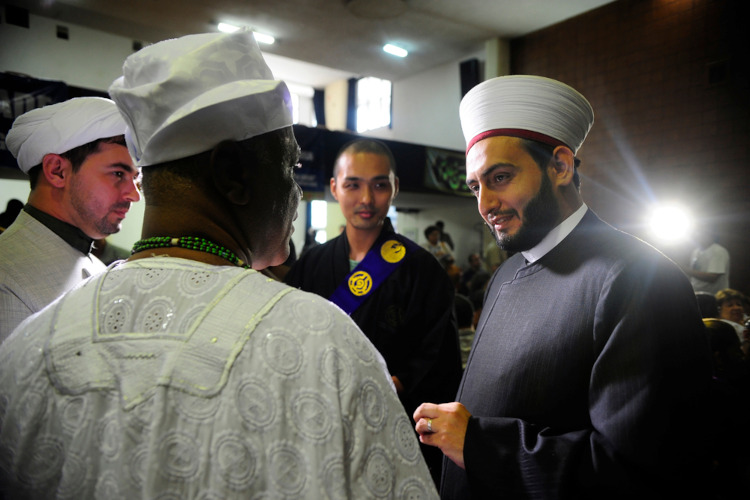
(531, 107)
(184, 96)
(58, 128)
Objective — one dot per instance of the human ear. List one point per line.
(332, 185)
(563, 164)
(231, 175)
(56, 170)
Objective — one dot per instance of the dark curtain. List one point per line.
(351, 106)
(319, 105)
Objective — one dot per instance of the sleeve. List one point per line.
(647, 406)
(381, 457)
(431, 367)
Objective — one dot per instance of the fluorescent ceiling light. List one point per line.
(227, 28)
(396, 51)
(259, 37)
(263, 38)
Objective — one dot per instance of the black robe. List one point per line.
(588, 377)
(409, 319)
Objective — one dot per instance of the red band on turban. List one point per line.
(514, 132)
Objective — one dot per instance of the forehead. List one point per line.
(732, 302)
(363, 165)
(496, 150)
(110, 153)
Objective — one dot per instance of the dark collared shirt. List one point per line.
(71, 234)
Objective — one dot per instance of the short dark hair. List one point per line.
(728, 294)
(366, 146)
(430, 229)
(77, 156)
(542, 155)
(159, 181)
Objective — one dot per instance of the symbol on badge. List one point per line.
(360, 283)
(392, 251)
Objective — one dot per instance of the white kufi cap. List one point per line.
(184, 96)
(58, 128)
(531, 107)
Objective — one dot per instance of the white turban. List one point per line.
(58, 128)
(184, 96)
(531, 107)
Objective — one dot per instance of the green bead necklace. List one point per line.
(191, 243)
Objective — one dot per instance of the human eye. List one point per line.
(500, 177)
(473, 187)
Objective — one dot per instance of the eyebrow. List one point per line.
(129, 168)
(376, 178)
(491, 169)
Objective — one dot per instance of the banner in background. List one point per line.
(446, 172)
(19, 94)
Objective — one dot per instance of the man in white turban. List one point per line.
(83, 182)
(589, 372)
(184, 372)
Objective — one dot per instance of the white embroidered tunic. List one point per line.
(166, 378)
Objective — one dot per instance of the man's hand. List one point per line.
(443, 426)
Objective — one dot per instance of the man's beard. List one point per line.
(86, 210)
(541, 215)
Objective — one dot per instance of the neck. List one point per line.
(360, 241)
(177, 223)
(202, 246)
(569, 202)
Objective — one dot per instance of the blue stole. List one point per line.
(388, 252)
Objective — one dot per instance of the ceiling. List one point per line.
(321, 41)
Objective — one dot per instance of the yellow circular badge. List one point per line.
(392, 251)
(360, 283)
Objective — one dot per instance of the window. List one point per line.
(319, 220)
(373, 103)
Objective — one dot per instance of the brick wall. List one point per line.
(669, 83)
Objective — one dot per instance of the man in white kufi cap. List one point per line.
(82, 185)
(589, 372)
(184, 372)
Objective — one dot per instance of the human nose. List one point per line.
(133, 191)
(487, 201)
(367, 194)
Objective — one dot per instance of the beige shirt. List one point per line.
(36, 267)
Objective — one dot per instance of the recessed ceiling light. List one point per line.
(227, 28)
(396, 51)
(259, 37)
(263, 38)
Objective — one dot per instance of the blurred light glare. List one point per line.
(263, 38)
(670, 223)
(396, 51)
(227, 28)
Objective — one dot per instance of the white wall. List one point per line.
(425, 111)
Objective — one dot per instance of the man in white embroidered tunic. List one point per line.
(82, 184)
(182, 373)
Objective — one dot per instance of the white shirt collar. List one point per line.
(555, 236)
